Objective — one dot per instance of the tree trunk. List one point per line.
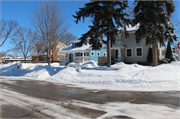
(108, 52)
(48, 59)
(154, 52)
(24, 59)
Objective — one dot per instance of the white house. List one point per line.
(126, 49)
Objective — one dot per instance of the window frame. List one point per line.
(97, 54)
(92, 52)
(141, 51)
(131, 53)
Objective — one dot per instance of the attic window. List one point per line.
(98, 54)
(92, 53)
(75, 45)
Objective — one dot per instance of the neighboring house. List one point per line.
(39, 52)
(176, 54)
(9, 59)
(126, 49)
(4, 58)
(81, 54)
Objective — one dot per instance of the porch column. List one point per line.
(68, 57)
(83, 56)
(73, 57)
(119, 52)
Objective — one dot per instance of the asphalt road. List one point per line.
(29, 98)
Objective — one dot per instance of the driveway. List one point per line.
(27, 98)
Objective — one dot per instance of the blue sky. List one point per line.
(21, 11)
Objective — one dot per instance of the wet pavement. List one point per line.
(50, 91)
(59, 92)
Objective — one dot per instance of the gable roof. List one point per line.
(38, 46)
(131, 28)
(70, 49)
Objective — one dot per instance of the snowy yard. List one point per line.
(119, 77)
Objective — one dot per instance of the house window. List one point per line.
(92, 53)
(69, 56)
(104, 54)
(57, 49)
(138, 51)
(98, 54)
(84, 54)
(129, 52)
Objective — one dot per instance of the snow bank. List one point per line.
(119, 77)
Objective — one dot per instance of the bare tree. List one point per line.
(68, 37)
(8, 30)
(24, 41)
(50, 25)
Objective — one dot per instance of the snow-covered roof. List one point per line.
(130, 28)
(70, 49)
(75, 41)
(19, 57)
(175, 54)
(5, 57)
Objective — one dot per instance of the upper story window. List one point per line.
(104, 54)
(129, 52)
(98, 54)
(92, 53)
(138, 51)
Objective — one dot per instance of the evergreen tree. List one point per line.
(107, 17)
(169, 52)
(155, 26)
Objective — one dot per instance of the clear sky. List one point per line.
(21, 11)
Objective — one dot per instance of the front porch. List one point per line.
(117, 55)
(80, 57)
(117, 52)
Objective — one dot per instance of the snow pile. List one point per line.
(118, 77)
(90, 64)
(40, 72)
(72, 64)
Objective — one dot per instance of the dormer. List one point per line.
(74, 42)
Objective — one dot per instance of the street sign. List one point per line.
(178, 45)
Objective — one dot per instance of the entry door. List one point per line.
(116, 54)
(70, 58)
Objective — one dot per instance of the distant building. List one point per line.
(39, 52)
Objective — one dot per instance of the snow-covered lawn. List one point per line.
(119, 77)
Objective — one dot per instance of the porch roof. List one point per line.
(115, 46)
(70, 49)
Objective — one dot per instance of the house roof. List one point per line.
(70, 49)
(75, 41)
(130, 28)
(38, 46)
